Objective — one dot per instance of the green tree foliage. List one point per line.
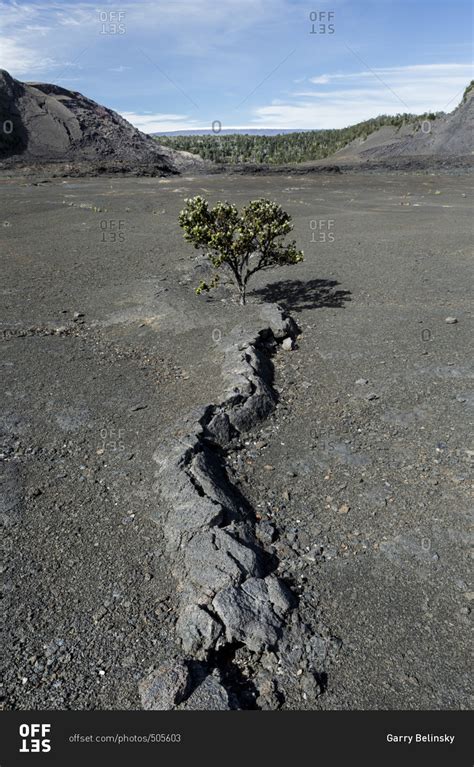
(243, 243)
(302, 146)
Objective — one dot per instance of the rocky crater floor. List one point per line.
(352, 484)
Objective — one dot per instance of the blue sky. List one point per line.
(246, 63)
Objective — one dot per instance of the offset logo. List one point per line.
(35, 738)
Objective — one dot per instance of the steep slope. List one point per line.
(446, 136)
(43, 123)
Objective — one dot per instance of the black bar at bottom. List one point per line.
(142, 738)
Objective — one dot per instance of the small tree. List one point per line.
(244, 243)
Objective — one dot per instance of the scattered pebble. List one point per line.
(451, 320)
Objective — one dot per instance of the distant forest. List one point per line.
(284, 148)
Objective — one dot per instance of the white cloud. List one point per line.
(149, 122)
(389, 72)
(355, 96)
(19, 59)
(30, 31)
(152, 123)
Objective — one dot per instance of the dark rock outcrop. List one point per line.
(229, 597)
(45, 124)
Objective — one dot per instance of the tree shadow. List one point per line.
(296, 295)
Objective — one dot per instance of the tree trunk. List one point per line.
(242, 295)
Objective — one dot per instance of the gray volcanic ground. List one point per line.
(362, 471)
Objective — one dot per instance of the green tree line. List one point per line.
(284, 148)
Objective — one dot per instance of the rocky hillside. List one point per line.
(445, 136)
(42, 124)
